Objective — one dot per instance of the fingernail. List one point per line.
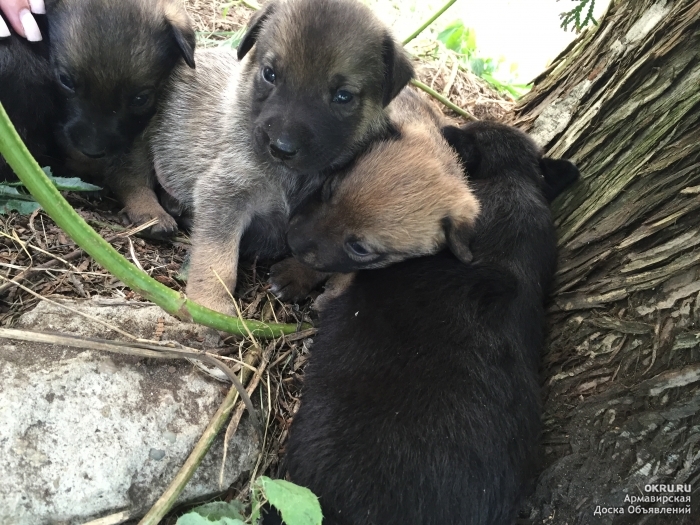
(37, 7)
(31, 30)
(4, 30)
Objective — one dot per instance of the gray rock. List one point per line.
(86, 434)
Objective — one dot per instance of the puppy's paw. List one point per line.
(335, 287)
(164, 228)
(218, 303)
(292, 281)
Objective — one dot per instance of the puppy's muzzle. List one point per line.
(283, 148)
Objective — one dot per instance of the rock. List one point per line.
(86, 434)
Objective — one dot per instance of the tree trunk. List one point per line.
(622, 367)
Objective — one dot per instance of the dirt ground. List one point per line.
(36, 252)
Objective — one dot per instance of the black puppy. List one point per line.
(421, 397)
(29, 95)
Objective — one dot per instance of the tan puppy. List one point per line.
(245, 143)
(405, 197)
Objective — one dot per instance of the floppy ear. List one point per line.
(398, 70)
(253, 28)
(559, 174)
(458, 236)
(465, 145)
(183, 32)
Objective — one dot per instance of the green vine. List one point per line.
(35, 180)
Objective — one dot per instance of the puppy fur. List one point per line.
(28, 94)
(421, 396)
(407, 196)
(244, 143)
(110, 61)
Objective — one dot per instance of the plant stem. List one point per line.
(176, 304)
(430, 91)
(429, 21)
(169, 497)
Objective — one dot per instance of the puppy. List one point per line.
(405, 197)
(111, 61)
(28, 94)
(244, 143)
(421, 396)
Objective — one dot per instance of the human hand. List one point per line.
(19, 14)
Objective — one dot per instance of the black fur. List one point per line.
(28, 94)
(110, 62)
(421, 397)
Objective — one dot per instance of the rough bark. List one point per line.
(622, 367)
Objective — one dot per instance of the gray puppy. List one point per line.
(245, 143)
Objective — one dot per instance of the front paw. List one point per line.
(165, 227)
(217, 302)
(292, 281)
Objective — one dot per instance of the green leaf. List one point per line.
(298, 505)
(215, 513)
(12, 199)
(73, 184)
(20, 206)
(458, 38)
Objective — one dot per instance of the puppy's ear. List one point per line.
(458, 235)
(330, 186)
(398, 70)
(464, 143)
(253, 28)
(559, 174)
(183, 32)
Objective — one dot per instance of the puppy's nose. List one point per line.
(283, 148)
(93, 154)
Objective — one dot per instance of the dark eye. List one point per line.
(269, 74)
(342, 97)
(357, 248)
(141, 99)
(66, 81)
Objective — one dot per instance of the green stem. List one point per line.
(176, 304)
(429, 21)
(430, 91)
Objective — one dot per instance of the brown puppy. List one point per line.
(111, 60)
(244, 143)
(406, 197)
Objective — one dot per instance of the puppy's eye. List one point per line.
(66, 81)
(269, 74)
(342, 97)
(141, 99)
(357, 248)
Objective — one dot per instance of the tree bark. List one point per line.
(622, 367)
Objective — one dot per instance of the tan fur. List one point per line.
(398, 193)
(203, 140)
(405, 197)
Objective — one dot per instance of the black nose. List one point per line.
(283, 148)
(93, 154)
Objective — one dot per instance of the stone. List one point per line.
(86, 434)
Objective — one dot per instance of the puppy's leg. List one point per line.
(335, 286)
(292, 280)
(214, 254)
(133, 183)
